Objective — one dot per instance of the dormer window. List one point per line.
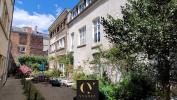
(81, 7)
(88, 2)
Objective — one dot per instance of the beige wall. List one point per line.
(5, 5)
(56, 37)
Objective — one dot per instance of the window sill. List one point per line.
(80, 46)
(96, 46)
(60, 49)
(51, 52)
(22, 51)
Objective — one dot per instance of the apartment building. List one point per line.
(26, 41)
(6, 12)
(58, 40)
(86, 33)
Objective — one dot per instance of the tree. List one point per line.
(148, 27)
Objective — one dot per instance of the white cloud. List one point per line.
(19, 2)
(23, 18)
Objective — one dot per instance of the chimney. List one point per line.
(28, 29)
(35, 29)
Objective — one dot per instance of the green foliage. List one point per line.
(35, 66)
(148, 27)
(92, 77)
(29, 88)
(79, 76)
(35, 72)
(107, 89)
(32, 59)
(66, 59)
(132, 87)
(135, 87)
(53, 73)
(69, 69)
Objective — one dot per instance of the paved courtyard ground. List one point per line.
(12, 90)
(55, 93)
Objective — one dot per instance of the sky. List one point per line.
(40, 13)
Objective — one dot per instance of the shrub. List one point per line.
(79, 76)
(35, 66)
(92, 77)
(31, 91)
(135, 87)
(32, 61)
(106, 88)
(53, 73)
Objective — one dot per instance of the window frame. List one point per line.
(72, 41)
(97, 30)
(82, 36)
(22, 46)
(61, 43)
(1, 9)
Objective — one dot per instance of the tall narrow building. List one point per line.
(6, 12)
(58, 40)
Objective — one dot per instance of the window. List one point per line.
(96, 25)
(58, 28)
(82, 7)
(5, 17)
(61, 43)
(74, 13)
(62, 68)
(88, 2)
(52, 48)
(82, 38)
(1, 8)
(22, 48)
(2, 65)
(72, 41)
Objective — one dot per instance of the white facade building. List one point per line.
(85, 32)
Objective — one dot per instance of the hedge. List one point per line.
(30, 91)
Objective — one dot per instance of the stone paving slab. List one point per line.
(12, 90)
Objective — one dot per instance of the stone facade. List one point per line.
(25, 41)
(58, 40)
(6, 11)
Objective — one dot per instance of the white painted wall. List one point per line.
(45, 44)
(101, 8)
